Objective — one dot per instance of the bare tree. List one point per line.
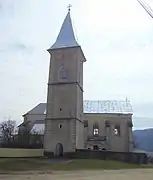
(24, 137)
(7, 129)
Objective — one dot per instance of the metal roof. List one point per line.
(107, 106)
(66, 37)
(38, 128)
(104, 106)
(39, 109)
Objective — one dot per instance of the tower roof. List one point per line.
(66, 37)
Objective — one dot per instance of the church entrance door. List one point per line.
(59, 150)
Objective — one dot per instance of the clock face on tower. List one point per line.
(63, 73)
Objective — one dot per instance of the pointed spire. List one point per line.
(66, 37)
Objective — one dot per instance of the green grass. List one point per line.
(42, 164)
(10, 152)
(22, 164)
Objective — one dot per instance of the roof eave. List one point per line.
(50, 50)
(62, 47)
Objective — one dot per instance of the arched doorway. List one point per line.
(59, 150)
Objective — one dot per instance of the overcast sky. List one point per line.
(117, 40)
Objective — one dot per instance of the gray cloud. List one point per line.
(114, 42)
(17, 47)
(116, 59)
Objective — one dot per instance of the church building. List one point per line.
(68, 122)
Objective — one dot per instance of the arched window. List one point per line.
(117, 130)
(95, 129)
(62, 73)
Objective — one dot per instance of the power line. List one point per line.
(146, 6)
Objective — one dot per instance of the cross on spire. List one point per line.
(66, 36)
(69, 7)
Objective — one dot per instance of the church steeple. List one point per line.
(66, 37)
(64, 127)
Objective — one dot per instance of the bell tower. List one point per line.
(64, 127)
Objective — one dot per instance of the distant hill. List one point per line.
(144, 139)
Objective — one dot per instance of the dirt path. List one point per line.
(141, 174)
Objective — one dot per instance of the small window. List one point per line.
(63, 73)
(117, 131)
(60, 126)
(95, 147)
(96, 131)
